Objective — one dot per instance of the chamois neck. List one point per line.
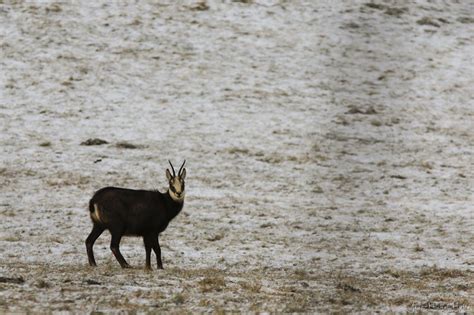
(175, 198)
(173, 206)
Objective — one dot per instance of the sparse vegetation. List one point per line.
(208, 284)
(11, 238)
(41, 284)
(252, 287)
(178, 298)
(127, 145)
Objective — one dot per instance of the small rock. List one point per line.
(465, 20)
(351, 25)
(398, 176)
(395, 120)
(216, 237)
(368, 111)
(443, 20)
(427, 21)
(45, 144)
(376, 123)
(55, 8)
(94, 141)
(375, 6)
(200, 6)
(92, 282)
(397, 12)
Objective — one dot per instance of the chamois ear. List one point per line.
(168, 175)
(183, 174)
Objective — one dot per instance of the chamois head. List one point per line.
(176, 189)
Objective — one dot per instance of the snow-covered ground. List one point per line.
(329, 147)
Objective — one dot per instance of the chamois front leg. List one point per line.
(157, 250)
(148, 241)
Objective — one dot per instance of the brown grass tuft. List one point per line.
(209, 284)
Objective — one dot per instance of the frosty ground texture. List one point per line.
(330, 152)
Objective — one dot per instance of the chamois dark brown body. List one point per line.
(129, 212)
(134, 212)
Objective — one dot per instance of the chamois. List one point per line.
(128, 212)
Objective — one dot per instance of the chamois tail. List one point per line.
(91, 206)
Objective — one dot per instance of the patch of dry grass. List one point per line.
(128, 145)
(208, 284)
(11, 238)
(353, 291)
(272, 290)
(252, 287)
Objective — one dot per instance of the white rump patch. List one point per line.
(96, 214)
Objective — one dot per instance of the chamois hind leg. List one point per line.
(95, 233)
(114, 246)
(157, 250)
(148, 241)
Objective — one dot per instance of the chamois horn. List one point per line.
(172, 168)
(181, 168)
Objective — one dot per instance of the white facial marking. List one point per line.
(175, 197)
(176, 189)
